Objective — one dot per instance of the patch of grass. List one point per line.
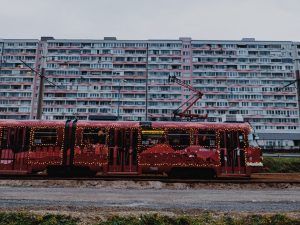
(277, 219)
(281, 165)
(148, 219)
(32, 219)
(205, 219)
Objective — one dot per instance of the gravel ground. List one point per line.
(155, 196)
(93, 201)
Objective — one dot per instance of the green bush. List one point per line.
(17, 219)
(281, 165)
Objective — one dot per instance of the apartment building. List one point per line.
(16, 80)
(129, 79)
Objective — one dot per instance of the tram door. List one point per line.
(14, 147)
(232, 146)
(123, 144)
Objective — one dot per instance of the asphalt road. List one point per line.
(265, 200)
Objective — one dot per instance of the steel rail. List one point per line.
(162, 179)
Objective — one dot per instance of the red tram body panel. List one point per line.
(131, 148)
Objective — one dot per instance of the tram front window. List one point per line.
(252, 138)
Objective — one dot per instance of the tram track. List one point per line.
(162, 179)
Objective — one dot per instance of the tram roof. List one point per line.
(201, 125)
(128, 124)
(21, 123)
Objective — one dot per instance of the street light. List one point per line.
(119, 93)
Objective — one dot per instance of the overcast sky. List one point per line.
(151, 19)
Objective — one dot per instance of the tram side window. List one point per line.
(45, 136)
(4, 143)
(179, 139)
(205, 138)
(15, 138)
(94, 136)
(153, 137)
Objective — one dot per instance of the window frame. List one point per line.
(213, 133)
(83, 143)
(34, 132)
(181, 146)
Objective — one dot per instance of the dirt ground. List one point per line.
(277, 176)
(144, 184)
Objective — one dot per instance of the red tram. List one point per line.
(131, 148)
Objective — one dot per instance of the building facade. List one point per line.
(129, 79)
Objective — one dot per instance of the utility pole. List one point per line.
(119, 97)
(298, 83)
(41, 88)
(296, 60)
(41, 95)
(146, 116)
(2, 53)
(119, 92)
